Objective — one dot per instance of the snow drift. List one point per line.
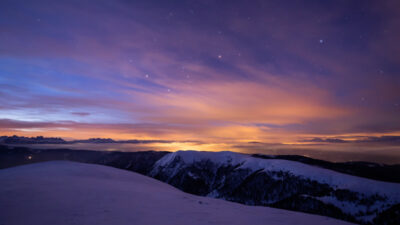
(64, 193)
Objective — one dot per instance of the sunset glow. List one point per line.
(204, 76)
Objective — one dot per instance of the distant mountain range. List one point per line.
(30, 140)
(51, 140)
(288, 182)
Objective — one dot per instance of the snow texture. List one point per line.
(66, 193)
(335, 179)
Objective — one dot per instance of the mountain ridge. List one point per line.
(278, 183)
(244, 179)
(17, 155)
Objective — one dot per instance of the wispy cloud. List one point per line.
(81, 113)
(203, 71)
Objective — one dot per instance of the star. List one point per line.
(219, 56)
(147, 76)
(321, 41)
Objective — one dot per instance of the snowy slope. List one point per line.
(62, 193)
(279, 183)
(338, 180)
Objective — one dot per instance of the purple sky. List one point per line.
(223, 74)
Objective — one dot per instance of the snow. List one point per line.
(336, 179)
(66, 193)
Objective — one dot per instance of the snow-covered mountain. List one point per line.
(31, 140)
(21, 140)
(279, 183)
(66, 193)
(289, 182)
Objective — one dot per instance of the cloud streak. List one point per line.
(202, 71)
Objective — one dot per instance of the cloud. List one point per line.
(327, 140)
(382, 139)
(80, 113)
(153, 71)
(361, 139)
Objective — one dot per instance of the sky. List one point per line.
(205, 75)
